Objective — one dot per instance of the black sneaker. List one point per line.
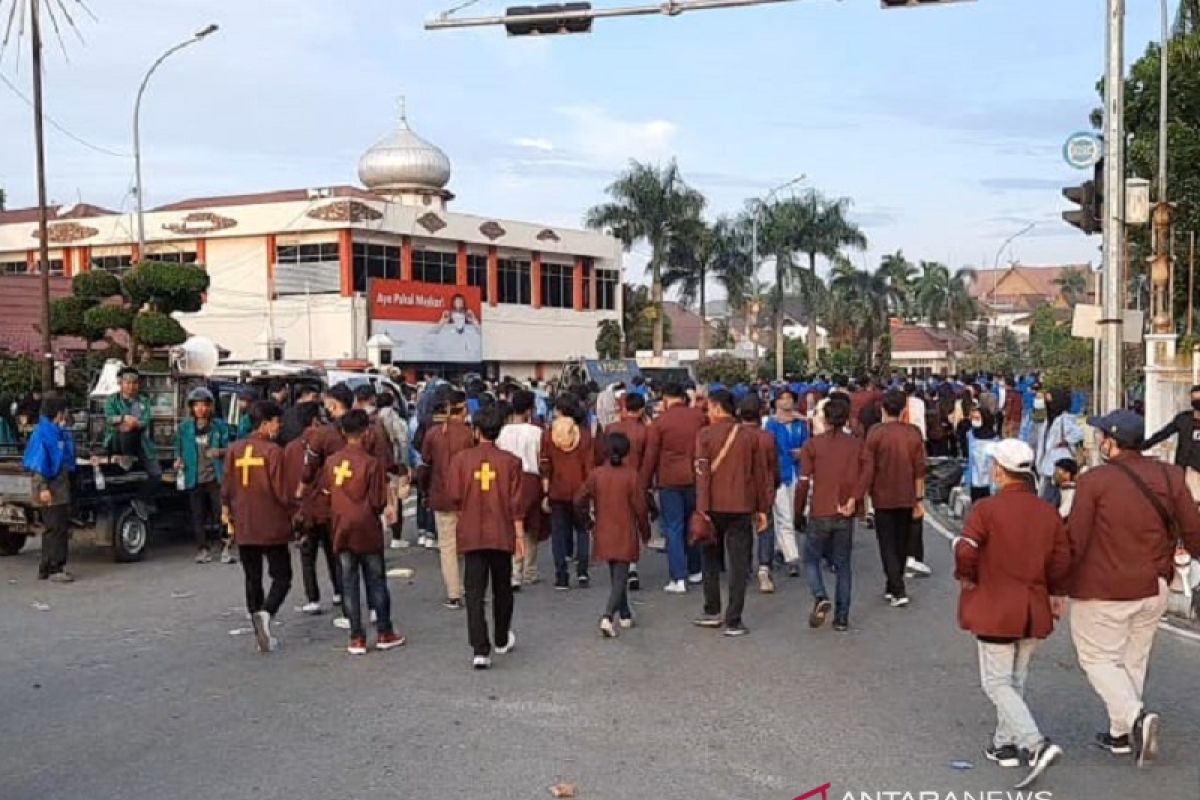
(735, 630)
(1007, 756)
(583, 580)
(1040, 760)
(453, 603)
(1145, 737)
(841, 625)
(635, 583)
(793, 570)
(820, 613)
(1117, 745)
(562, 583)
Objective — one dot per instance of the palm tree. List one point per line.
(861, 302)
(697, 253)
(1073, 285)
(900, 274)
(943, 297)
(648, 204)
(813, 226)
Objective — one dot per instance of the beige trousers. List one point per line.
(1113, 639)
(526, 571)
(447, 533)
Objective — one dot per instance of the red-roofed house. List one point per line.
(1007, 295)
(922, 350)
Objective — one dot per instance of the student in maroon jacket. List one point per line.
(1012, 558)
(750, 415)
(357, 486)
(567, 457)
(632, 425)
(441, 444)
(311, 522)
(256, 507)
(615, 493)
(485, 485)
(735, 494)
(670, 465)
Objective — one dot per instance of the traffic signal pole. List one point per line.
(1111, 322)
(670, 8)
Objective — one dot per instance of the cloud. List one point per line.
(600, 137)
(534, 143)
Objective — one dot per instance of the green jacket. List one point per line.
(244, 427)
(189, 455)
(116, 406)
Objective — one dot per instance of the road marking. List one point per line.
(1169, 628)
(938, 526)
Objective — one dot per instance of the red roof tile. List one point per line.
(920, 338)
(284, 196)
(77, 211)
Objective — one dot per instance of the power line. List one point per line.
(58, 126)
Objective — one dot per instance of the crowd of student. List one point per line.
(730, 478)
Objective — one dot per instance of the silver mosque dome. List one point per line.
(404, 161)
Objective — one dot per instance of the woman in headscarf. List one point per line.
(1058, 439)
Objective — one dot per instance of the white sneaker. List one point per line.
(261, 621)
(607, 630)
(482, 662)
(626, 622)
(696, 578)
(342, 622)
(310, 608)
(918, 568)
(765, 584)
(657, 543)
(508, 647)
(421, 540)
(374, 616)
(676, 587)
(899, 602)
(337, 599)
(400, 544)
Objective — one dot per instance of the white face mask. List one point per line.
(976, 423)
(1039, 404)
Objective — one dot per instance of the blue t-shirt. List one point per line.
(787, 438)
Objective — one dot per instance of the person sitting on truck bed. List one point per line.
(127, 433)
(50, 456)
(201, 441)
(247, 397)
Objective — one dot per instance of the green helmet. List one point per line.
(199, 395)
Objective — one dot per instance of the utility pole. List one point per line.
(1111, 324)
(1191, 318)
(35, 32)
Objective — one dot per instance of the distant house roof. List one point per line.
(53, 213)
(923, 339)
(20, 314)
(685, 327)
(1025, 288)
(261, 198)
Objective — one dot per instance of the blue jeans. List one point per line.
(676, 506)
(766, 543)
(371, 568)
(568, 539)
(832, 539)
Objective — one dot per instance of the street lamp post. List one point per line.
(759, 204)
(137, 137)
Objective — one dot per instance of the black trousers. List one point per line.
(893, 526)
(205, 505)
(735, 535)
(479, 567)
(618, 593)
(915, 548)
(279, 566)
(316, 539)
(55, 539)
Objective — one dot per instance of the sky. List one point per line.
(944, 125)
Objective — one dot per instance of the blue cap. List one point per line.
(1126, 427)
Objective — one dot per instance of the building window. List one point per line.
(557, 288)
(606, 289)
(175, 257)
(586, 304)
(515, 285)
(308, 268)
(374, 261)
(477, 274)
(118, 265)
(13, 267)
(435, 266)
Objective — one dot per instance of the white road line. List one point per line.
(938, 526)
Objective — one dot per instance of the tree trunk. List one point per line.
(703, 347)
(656, 300)
(811, 344)
(778, 320)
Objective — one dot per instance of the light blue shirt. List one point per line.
(979, 462)
(1050, 448)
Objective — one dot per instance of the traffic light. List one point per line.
(1089, 196)
(917, 3)
(548, 19)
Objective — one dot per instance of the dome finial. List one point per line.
(400, 105)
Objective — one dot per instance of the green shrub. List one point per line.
(154, 329)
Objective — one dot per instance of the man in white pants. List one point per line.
(1124, 525)
(790, 433)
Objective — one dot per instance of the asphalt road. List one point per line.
(130, 686)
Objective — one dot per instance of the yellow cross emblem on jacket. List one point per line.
(342, 473)
(247, 461)
(485, 475)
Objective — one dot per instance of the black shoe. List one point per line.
(562, 583)
(583, 580)
(1040, 760)
(1117, 745)
(1007, 756)
(820, 613)
(735, 630)
(635, 583)
(841, 625)
(793, 570)
(516, 587)
(1145, 737)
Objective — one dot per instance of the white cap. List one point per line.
(1014, 455)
